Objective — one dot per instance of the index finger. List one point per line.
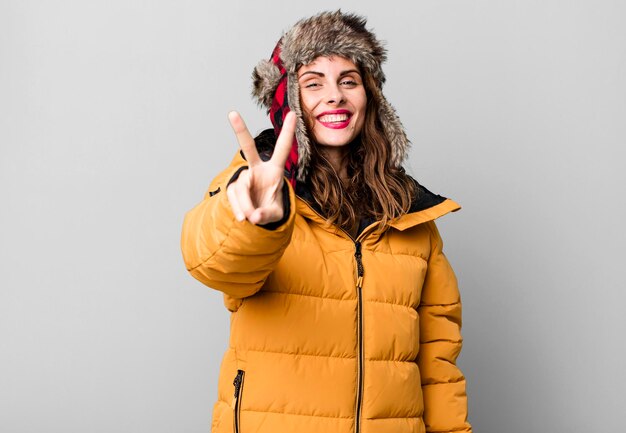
(285, 140)
(246, 142)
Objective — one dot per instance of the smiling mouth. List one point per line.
(331, 118)
(335, 121)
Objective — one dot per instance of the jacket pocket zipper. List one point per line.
(238, 382)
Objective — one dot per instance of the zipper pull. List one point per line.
(359, 264)
(237, 383)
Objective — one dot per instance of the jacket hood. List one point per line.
(275, 81)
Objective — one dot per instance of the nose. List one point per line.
(335, 95)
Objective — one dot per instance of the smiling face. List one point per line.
(333, 100)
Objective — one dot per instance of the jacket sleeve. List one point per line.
(228, 255)
(443, 384)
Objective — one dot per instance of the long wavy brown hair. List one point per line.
(374, 189)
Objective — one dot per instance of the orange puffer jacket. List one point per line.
(331, 334)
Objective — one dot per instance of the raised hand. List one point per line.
(257, 194)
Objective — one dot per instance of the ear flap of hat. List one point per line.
(394, 130)
(302, 137)
(265, 79)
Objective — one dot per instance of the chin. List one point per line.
(334, 141)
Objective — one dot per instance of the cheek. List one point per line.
(363, 103)
(358, 127)
(360, 123)
(307, 106)
(363, 111)
(308, 119)
(307, 103)
(360, 105)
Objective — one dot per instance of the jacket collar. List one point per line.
(427, 206)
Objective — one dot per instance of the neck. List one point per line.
(336, 156)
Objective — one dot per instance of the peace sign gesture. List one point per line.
(257, 194)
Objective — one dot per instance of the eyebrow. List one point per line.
(320, 74)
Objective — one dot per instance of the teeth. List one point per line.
(334, 118)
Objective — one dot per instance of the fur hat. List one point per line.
(275, 81)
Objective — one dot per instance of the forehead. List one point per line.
(328, 63)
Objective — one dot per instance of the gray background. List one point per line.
(113, 121)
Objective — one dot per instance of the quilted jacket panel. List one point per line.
(310, 350)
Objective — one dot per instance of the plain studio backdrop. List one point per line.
(113, 122)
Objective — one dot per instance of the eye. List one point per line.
(349, 82)
(311, 85)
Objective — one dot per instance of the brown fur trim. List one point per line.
(265, 78)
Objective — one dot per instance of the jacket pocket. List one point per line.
(238, 382)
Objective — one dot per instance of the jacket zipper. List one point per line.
(359, 285)
(238, 382)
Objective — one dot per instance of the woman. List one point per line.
(346, 315)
